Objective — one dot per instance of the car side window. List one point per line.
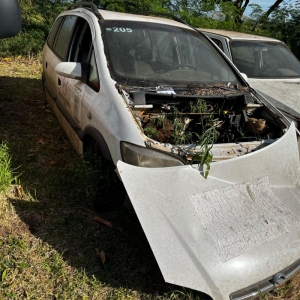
(81, 42)
(218, 43)
(84, 44)
(53, 32)
(93, 77)
(62, 41)
(81, 50)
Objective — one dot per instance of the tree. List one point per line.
(267, 14)
(37, 19)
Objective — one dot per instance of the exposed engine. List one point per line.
(186, 121)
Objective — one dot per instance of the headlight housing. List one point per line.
(148, 157)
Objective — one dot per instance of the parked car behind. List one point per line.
(271, 67)
(164, 105)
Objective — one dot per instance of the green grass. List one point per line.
(49, 240)
(48, 235)
(6, 172)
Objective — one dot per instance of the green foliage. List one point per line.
(198, 106)
(256, 12)
(282, 24)
(25, 43)
(206, 141)
(292, 32)
(37, 19)
(6, 173)
(150, 132)
(130, 6)
(39, 15)
(180, 136)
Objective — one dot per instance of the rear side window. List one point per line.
(63, 38)
(218, 43)
(53, 32)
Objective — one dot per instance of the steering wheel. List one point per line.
(269, 69)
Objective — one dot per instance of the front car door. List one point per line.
(71, 90)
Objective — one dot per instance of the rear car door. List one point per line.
(56, 51)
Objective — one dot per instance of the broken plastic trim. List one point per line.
(148, 157)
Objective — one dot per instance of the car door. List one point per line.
(55, 52)
(70, 91)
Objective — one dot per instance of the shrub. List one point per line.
(26, 43)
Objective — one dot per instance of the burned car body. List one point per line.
(199, 151)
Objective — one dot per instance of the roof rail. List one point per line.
(88, 5)
(162, 14)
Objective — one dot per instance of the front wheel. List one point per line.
(108, 190)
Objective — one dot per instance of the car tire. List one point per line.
(109, 190)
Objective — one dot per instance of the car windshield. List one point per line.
(261, 59)
(147, 54)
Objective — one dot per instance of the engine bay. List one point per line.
(183, 122)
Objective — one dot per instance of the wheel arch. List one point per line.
(91, 133)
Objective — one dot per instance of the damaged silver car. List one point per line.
(271, 68)
(211, 168)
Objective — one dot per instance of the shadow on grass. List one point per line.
(57, 207)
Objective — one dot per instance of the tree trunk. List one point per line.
(241, 8)
(266, 15)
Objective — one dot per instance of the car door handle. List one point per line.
(59, 82)
(89, 115)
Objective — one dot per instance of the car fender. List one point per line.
(97, 136)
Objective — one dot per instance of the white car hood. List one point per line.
(225, 233)
(283, 93)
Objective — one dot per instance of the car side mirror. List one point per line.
(71, 70)
(245, 76)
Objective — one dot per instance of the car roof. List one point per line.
(234, 35)
(113, 15)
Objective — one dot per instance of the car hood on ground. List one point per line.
(222, 234)
(283, 93)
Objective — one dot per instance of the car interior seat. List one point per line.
(143, 58)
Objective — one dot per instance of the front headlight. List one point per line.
(148, 157)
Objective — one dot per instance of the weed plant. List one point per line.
(182, 135)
